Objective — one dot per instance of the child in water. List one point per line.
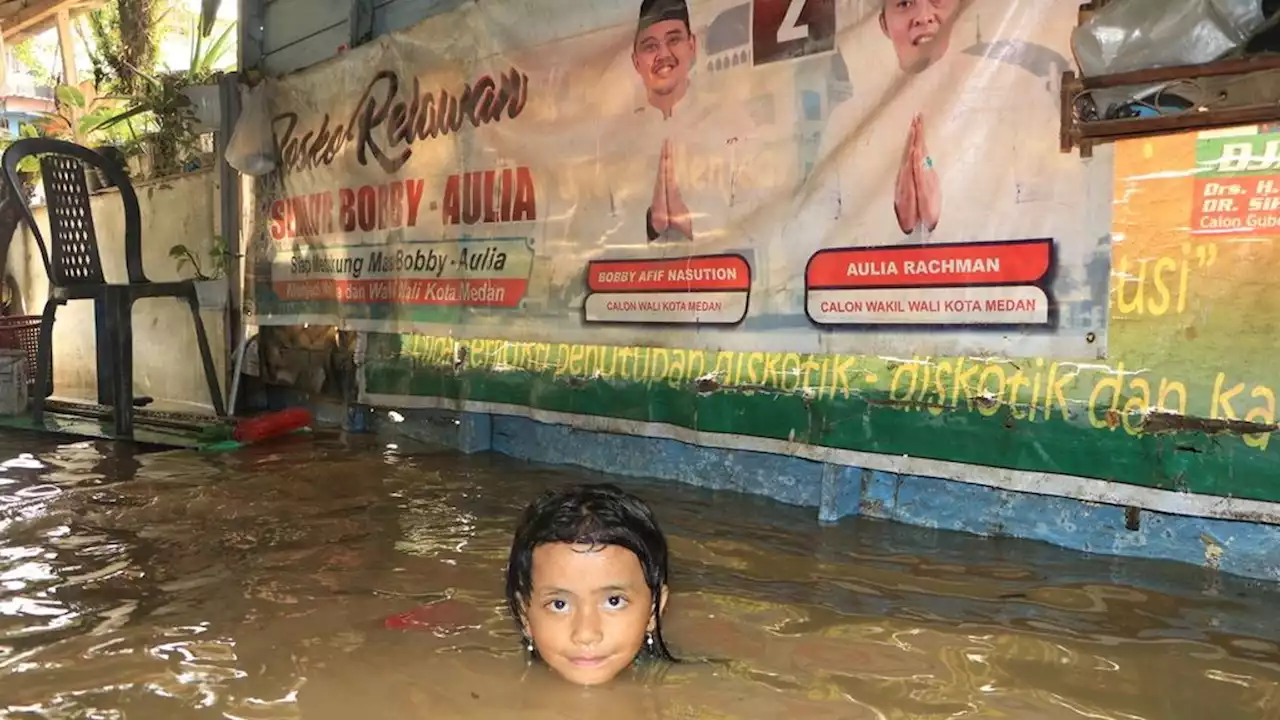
(587, 582)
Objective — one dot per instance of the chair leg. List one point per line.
(122, 409)
(206, 356)
(105, 324)
(44, 361)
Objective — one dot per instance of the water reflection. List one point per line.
(315, 579)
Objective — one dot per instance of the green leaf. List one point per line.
(208, 15)
(179, 252)
(197, 45)
(93, 121)
(206, 61)
(132, 112)
(68, 95)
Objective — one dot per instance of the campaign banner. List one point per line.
(800, 175)
(963, 284)
(1237, 185)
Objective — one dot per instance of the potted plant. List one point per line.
(80, 118)
(211, 279)
(179, 105)
(168, 124)
(202, 90)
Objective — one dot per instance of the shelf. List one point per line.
(1075, 133)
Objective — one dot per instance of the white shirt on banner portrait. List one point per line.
(987, 112)
(675, 163)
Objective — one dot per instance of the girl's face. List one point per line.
(589, 610)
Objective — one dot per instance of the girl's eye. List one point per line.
(616, 601)
(558, 605)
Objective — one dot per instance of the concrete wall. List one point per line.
(167, 366)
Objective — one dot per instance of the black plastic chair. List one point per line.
(75, 273)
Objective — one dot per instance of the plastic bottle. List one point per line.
(270, 425)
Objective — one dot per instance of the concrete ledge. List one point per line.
(463, 431)
(788, 480)
(838, 491)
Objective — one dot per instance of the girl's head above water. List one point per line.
(587, 581)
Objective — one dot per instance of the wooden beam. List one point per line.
(1217, 68)
(36, 12)
(1111, 130)
(250, 41)
(67, 48)
(4, 66)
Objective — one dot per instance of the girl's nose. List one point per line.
(586, 628)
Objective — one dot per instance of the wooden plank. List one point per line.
(39, 12)
(305, 53)
(4, 66)
(85, 427)
(1112, 130)
(67, 48)
(1218, 68)
(392, 15)
(295, 22)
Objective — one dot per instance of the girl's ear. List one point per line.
(662, 607)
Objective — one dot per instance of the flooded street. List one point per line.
(289, 582)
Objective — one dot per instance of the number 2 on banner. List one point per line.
(791, 29)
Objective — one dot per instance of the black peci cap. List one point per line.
(653, 12)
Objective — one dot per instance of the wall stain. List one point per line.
(1158, 423)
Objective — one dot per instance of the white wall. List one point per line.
(166, 359)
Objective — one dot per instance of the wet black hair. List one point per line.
(597, 515)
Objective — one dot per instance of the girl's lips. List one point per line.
(587, 661)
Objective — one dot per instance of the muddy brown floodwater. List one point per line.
(261, 584)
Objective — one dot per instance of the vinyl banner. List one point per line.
(866, 176)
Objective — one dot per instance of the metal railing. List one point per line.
(23, 87)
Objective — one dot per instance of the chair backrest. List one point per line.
(75, 260)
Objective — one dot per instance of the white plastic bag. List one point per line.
(1141, 34)
(252, 149)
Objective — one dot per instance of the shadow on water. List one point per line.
(145, 584)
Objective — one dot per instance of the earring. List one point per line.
(648, 639)
(528, 644)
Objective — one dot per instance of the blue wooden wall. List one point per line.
(281, 36)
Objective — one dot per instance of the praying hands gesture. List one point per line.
(917, 199)
(667, 210)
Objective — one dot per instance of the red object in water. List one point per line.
(274, 424)
(446, 617)
(417, 619)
